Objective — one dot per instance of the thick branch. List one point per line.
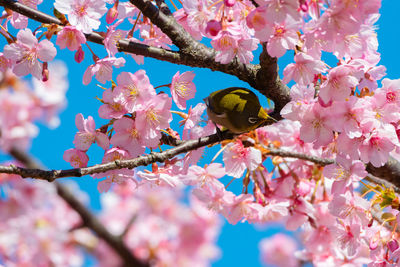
(269, 83)
(88, 219)
(265, 78)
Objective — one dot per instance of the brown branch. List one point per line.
(263, 77)
(291, 154)
(269, 83)
(52, 175)
(379, 181)
(124, 45)
(89, 220)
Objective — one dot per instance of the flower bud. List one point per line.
(112, 14)
(213, 27)
(45, 72)
(79, 55)
(229, 3)
(393, 245)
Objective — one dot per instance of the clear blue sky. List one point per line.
(239, 243)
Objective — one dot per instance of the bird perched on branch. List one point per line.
(237, 109)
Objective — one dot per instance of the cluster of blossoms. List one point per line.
(22, 104)
(338, 113)
(40, 229)
(161, 228)
(35, 225)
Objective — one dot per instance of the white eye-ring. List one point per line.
(252, 120)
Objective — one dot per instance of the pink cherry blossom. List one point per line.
(344, 116)
(194, 116)
(198, 14)
(182, 88)
(377, 146)
(71, 38)
(391, 89)
(114, 176)
(134, 88)
(352, 208)
(77, 158)
(168, 175)
(26, 51)
(314, 126)
(348, 238)
(279, 10)
(88, 134)
(345, 174)
(284, 37)
(112, 38)
(303, 70)
(338, 85)
(278, 250)
(241, 208)
(203, 176)
(154, 116)
(102, 69)
(238, 158)
(113, 105)
(83, 14)
(127, 136)
(20, 21)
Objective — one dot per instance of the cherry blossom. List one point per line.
(279, 251)
(71, 38)
(182, 88)
(83, 14)
(87, 134)
(102, 69)
(26, 51)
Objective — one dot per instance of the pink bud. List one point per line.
(112, 14)
(45, 72)
(229, 3)
(393, 245)
(79, 55)
(213, 27)
(303, 5)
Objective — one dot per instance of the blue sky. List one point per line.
(239, 243)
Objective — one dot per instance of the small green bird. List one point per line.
(237, 109)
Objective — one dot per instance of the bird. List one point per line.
(237, 109)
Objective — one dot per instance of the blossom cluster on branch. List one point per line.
(340, 117)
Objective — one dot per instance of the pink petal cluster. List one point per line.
(182, 88)
(26, 51)
(83, 14)
(87, 134)
(102, 69)
(238, 158)
(279, 250)
(35, 225)
(71, 38)
(119, 176)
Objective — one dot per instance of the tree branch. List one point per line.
(269, 83)
(52, 175)
(89, 220)
(263, 77)
(290, 154)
